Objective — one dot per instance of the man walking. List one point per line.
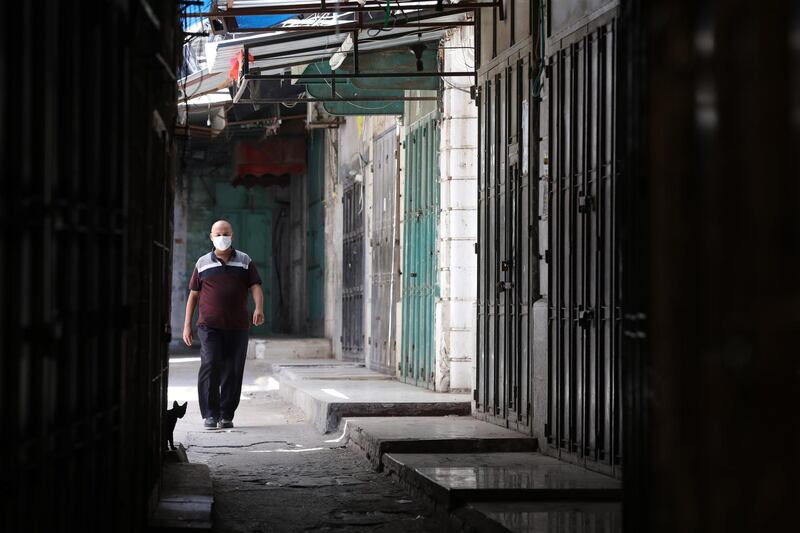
(219, 283)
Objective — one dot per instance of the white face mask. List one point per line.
(222, 242)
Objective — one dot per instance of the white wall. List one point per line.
(458, 222)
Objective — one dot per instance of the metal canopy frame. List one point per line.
(416, 22)
(342, 6)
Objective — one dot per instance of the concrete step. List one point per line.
(186, 498)
(326, 400)
(289, 348)
(327, 371)
(453, 479)
(376, 436)
(538, 517)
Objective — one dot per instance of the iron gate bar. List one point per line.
(338, 8)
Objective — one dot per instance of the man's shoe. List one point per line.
(224, 423)
(210, 423)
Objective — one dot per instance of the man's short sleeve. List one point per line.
(252, 274)
(194, 283)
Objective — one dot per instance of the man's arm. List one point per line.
(191, 303)
(258, 298)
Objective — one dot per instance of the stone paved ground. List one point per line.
(274, 473)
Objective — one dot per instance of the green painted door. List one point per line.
(420, 283)
(249, 212)
(315, 249)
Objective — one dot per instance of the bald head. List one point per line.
(221, 227)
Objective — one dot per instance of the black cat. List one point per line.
(170, 419)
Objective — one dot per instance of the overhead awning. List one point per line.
(273, 160)
(383, 101)
(221, 55)
(388, 60)
(389, 53)
(277, 52)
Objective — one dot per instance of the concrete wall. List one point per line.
(455, 312)
(333, 243)
(180, 280)
(498, 35)
(298, 223)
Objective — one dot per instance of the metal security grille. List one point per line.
(420, 284)
(353, 272)
(508, 250)
(584, 400)
(85, 267)
(383, 245)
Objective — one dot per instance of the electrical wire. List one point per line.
(351, 103)
(454, 86)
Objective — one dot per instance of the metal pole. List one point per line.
(341, 8)
(345, 75)
(339, 99)
(355, 50)
(351, 27)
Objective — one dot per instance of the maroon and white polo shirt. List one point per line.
(223, 289)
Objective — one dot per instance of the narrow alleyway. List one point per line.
(275, 473)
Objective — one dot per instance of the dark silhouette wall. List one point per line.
(712, 238)
(86, 152)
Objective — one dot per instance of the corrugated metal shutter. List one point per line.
(508, 245)
(584, 401)
(353, 272)
(383, 245)
(420, 283)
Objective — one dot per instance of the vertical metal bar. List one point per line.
(355, 47)
(480, 283)
(405, 273)
(436, 183)
(419, 243)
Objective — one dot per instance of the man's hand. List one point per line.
(191, 303)
(258, 317)
(187, 336)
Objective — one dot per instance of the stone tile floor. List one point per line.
(273, 472)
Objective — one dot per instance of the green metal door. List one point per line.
(420, 283)
(250, 213)
(257, 243)
(315, 250)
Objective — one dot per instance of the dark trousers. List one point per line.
(219, 382)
